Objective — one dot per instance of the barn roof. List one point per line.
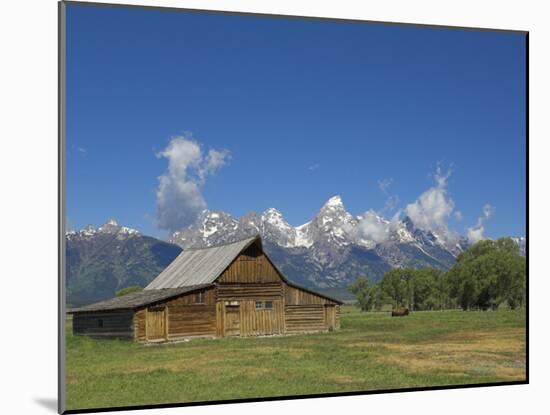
(138, 299)
(200, 266)
(205, 265)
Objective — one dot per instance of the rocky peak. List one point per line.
(111, 227)
(332, 223)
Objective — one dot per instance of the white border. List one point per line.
(28, 163)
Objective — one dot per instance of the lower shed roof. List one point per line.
(138, 299)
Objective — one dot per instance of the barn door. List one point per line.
(232, 320)
(156, 323)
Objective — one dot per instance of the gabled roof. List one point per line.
(200, 266)
(138, 299)
(205, 265)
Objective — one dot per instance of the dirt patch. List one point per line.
(343, 379)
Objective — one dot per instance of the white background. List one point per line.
(28, 174)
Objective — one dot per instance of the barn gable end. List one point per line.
(251, 266)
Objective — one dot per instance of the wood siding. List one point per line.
(258, 322)
(305, 318)
(250, 267)
(191, 321)
(250, 321)
(188, 318)
(117, 323)
(184, 317)
(296, 296)
(273, 290)
(209, 298)
(139, 325)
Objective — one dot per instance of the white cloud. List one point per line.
(384, 184)
(179, 193)
(488, 211)
(215, 159)
(476, 233)
(313, 167)
(373, 228)
(433, 207)
(458, 215)
(392, 200)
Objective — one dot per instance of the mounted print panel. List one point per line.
(261, 206)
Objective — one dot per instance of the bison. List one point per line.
(399, 312)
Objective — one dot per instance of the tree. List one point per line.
(395, 285)
(128, 290)
(365, 293)
(487, 274)
(429, 291)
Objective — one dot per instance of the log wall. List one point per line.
(273, 290)
(305, 318)
(187, 318)
(191, 321)
(184, 317)
(116, 323)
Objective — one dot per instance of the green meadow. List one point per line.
(371, 351)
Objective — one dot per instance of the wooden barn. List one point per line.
(226, 290)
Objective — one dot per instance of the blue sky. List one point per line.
(300, 110)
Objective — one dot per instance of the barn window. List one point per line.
(259, 305)
(199, 297)
(100, 323)
(269, 305)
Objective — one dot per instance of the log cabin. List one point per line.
(226, 290)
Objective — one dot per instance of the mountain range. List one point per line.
(327, 253)
(101, 261)
(330, 250)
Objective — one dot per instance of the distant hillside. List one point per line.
(101, 261)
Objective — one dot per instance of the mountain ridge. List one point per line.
(329, 252)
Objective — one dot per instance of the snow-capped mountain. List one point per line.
(105, 259)
(111, 227)
(332, 249)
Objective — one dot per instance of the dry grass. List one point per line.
(501, 354)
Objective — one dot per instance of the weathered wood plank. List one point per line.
(250, 267)
(118, 323)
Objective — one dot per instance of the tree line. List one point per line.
(486, 275)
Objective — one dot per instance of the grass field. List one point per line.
(371, 351)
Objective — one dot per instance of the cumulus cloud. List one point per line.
(179, 193)
(433, 207)
(458, 215)
(373, 227)
(476, 233)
